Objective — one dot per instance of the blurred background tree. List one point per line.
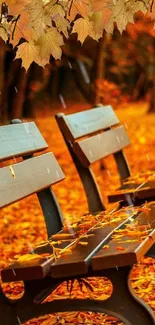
(115, 69)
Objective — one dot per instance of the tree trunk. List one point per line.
(3, 113)
(99, 67)
(99, 74)
(18, 89)
(152, 101)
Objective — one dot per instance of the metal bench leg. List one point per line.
(7, 311)
(124, 302)
(11, 310)
(151, 252)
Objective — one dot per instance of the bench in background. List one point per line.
(87, 143)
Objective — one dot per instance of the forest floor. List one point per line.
(22, 225)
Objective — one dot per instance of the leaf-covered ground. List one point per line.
(22, 225)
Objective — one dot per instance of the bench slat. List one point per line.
(136, 192)
(35, 269)
(128, 250)
(78, 261)
(80, 124)
(20, 139)
(101, 145)
(29, 176)
(23, 271)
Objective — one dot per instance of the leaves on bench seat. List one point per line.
(138, 227)
(78, 262)
(139, 192)
(142, 177)
(30, 269)
(130, 243)
(112, 233)
(36, 264)
(29, 259)
(140, 186)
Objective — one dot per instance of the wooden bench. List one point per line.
(100, 255)
(87, 143)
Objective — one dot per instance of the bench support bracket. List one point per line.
(122, 304)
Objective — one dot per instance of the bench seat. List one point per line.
(139, 187)
(35, 265)
(130, 244)
(119, 242)
(115, 253)
(136, 192)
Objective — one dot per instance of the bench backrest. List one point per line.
(90, 136)
(31, 174)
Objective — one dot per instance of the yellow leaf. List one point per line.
(83, 27)
(50, 43)
(122, 12)
(60, 236)
(3, 33)
(47, 321)
(78, 7)
(12, 171)
(105, 247)
(56, 9)
(39, 16)
(28, 52)
(62, 25)
(28, 258)
(96, 19)
(84, 243)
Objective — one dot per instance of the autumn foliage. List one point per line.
(39, 28)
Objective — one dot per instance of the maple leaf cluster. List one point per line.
(40, 27)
